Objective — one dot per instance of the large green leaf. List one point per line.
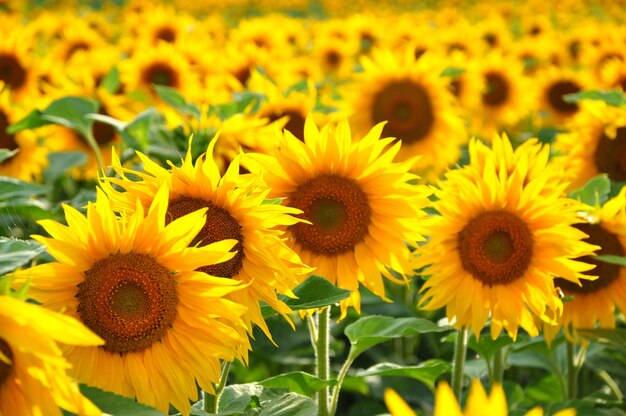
(290, 404)
(426, 372)
(61, 162)
(298, 382)
(15, 253)
(112, 404)
(12, 189)
(137, 133)
(371, 330)
(595, 191)
(237, 398)
(615, 337)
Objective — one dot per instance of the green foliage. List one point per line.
(611, 97)
(6, 154)
(115, 405)
(427, 372)
(595, 192)
(298, 382)
(15, 253)
(174, 98)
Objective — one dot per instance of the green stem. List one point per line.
(212, 402)
(342, 375)
(572, 372)
(460, 351)
(96, 150)
(499, 359)
(322, 358)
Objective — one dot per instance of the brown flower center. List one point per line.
(610, 155)
(555, 93)
(295, 125)
(339, 213)
(160, 73)
(220, 225)
(5, 369)
(333, 59)
(607, 273)
(129, 300)
(166, 34)
(407, 108)
(497, 92)
(7, 141)
(103, 133)
(496, 247)
(12, 72)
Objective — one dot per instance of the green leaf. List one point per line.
(372, 330)
(137, 133)
(15, 253)
(290, 404)
(7, 154)
(595, 192)
(452, 72)
(614, 98)
(111, 81)
(615, 337)
(426, 372)
(611, 259)
(236, 398)
(248, 101)
(115, 405)
(298, 382)
(12, 189)
(61, 162)
(486, 346)
(31, 121)
(71, 111)
(547, 390)
(174, 98)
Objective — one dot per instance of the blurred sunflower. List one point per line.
(133, 281)
(336, 58)
(16, 66)
(33, 379)
(74, 39)
(415, 102)
(235, 210)
(553, 84)
(614, 74)
(595, 144)
(30, 157)
(162, 24)
(478, 403)
(595, 301)
(359, 206)
(507, 95)
(499, 236)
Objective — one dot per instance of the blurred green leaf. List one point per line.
(452, 72)
(596, 191)
(175, 99)
(612, 259)
(31, 121)
(111, 81)
(615, 337)
(15, 253)
(67, 111)
(371, 330)
(426, 372)
(547, 390)
(486, 346)
(12, 189)
(298, 382)
(115, 405)
(137, 133)
(61, 162)
(614, 98)
(7, 154)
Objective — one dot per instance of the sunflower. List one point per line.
(614, 74)
(30, 158)
(507, 94)
(595, 144)
(415, 101)
(501, 235)
(478, 403)
(16, 66)
(133, 281)
(358, 204)
(33, 379)
(595, 301)
(236, 211)
(75, 39)
(161, 24)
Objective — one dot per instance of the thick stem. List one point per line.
(212, 402)
(572, 372)
(460, 351)
(322, 358)
(498, 366)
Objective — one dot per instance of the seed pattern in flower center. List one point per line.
(339, 213)
(495, 247)
(129, 300)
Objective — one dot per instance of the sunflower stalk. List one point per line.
(460, 351)
(212, 402)
(499, 360)
(322, 363)
(575, 361)
(96, 150)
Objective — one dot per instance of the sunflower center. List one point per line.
(339, 213)
(333, 59)
(497, 91)
(555, 95)
(407, 108)
(220, 225)
(5, 369)
(496, 247)
(166, 34)
(129, 300)
(160, 73)
(12, 72)
(295, 125)
(610, 155)
(7, 141)
(456, 86)
(103, 133)
(607, 273)
(75, 47)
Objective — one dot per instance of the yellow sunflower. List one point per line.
(16, 66)
(478, 403)
(499, 241)
(595, 144)
(235, 211)
(133, 281)
(595, 301)
(416, 103)
(358, 204)
(30, 158)
(614, 74)
(33, 379)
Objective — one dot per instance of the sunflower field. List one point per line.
(312, 207)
